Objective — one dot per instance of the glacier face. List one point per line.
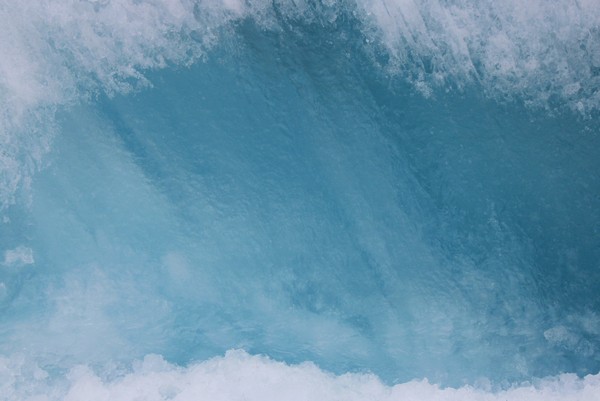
(324, 182)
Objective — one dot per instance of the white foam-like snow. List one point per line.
(539, 51)
(240, 376)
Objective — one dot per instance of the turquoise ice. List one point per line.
(403, 189)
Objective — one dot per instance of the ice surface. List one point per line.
(57, 53)
(240, 376)
(21, 255)
(291, 194)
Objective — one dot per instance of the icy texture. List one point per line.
(55, 53)
(339, 182)
(239, 376)
(543, 52)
